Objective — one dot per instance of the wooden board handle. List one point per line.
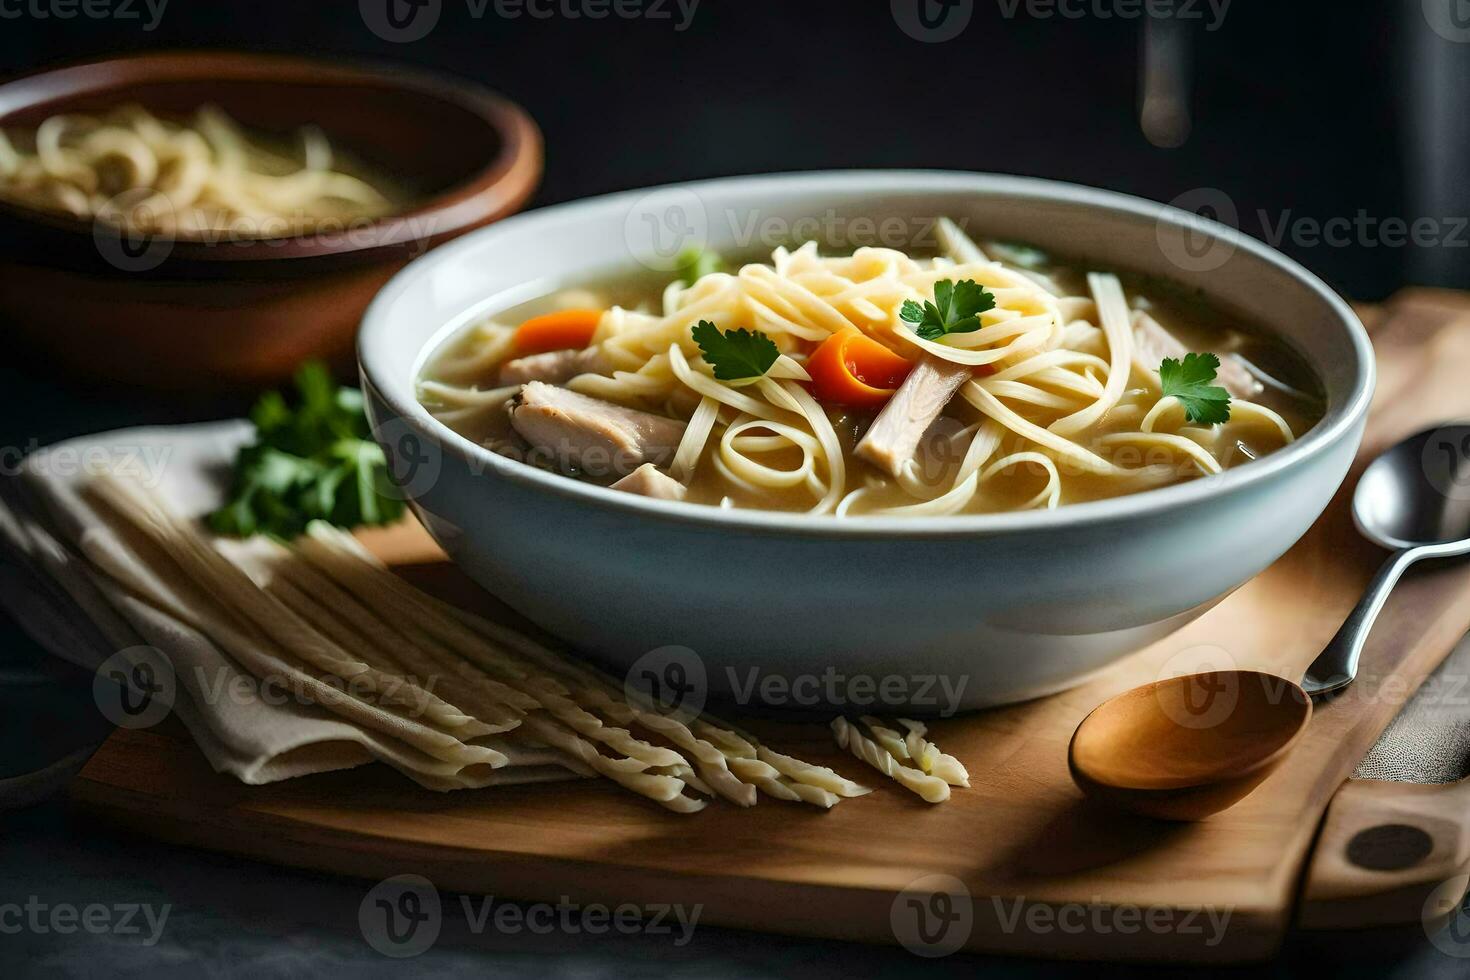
(1389, 854)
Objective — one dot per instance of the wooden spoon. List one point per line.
(1186, 747)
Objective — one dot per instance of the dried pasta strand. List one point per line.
(929, 788)
(930, 759)
(317, 547)
(713, 748)
(253, 652)
(198, 558)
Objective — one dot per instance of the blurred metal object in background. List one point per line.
(1163, 108)
(1437, 155)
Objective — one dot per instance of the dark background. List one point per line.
(1300, 110)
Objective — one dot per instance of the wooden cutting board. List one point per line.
(1047, 873)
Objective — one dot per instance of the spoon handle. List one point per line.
(1337, 664)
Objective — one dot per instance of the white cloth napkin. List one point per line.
(78, 613)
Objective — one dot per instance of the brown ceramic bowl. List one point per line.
(192, 312)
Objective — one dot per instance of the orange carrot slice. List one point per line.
(849, 368)
(562, 330)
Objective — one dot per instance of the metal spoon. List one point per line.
(1140, 750)
(1415, 501)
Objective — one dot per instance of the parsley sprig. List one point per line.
(956, 309)
(735, 355)
(316, 460)
(1190, 382)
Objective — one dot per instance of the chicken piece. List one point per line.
(894, 435)
(1152, 343)
(552, 367)
(588, 436)
(649, 481)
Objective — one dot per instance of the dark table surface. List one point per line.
(232, 917)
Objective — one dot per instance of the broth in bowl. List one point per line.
(990, 377)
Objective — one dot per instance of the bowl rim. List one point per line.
(386, 381)
(499, 187)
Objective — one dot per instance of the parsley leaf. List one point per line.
(316, 461)
(735, 354)
(956, 309)
(695, 263)
(1189, 381)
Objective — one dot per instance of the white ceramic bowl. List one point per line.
(926, 613)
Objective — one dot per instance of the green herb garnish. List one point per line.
(735, 354)
(1018, 253)
(956, 309)
(1189, 382)
(694, 264)
(314, 461)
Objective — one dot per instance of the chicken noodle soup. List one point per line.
(983, 379)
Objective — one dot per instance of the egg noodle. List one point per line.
(154, 176)
(1059, 409)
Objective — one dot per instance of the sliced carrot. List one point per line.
(849, 368)
(562, 330)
